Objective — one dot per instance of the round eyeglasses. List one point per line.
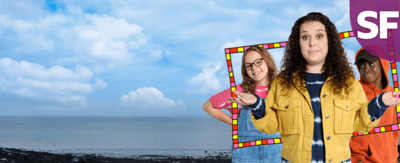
(258, 62)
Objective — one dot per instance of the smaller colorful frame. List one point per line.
(275, 45)
(393, 68)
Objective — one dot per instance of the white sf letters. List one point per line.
(383, 23)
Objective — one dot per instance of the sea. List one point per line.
(118, 136)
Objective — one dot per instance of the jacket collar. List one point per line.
(300, 84)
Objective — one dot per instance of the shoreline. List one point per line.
(12, 155)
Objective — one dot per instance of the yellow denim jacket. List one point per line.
(293, 117)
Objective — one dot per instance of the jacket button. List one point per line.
(287, 106)
(330, 160)
(327, 116)
(324, 95)
(328, 137)
(347, 106)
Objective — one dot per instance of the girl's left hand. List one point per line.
(244, 99)
(389, 98)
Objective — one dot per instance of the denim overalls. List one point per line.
(259, 154)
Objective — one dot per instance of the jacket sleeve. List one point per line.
(258, 108)
(269, 123)
(362, 121)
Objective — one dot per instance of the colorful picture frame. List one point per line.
(275, 45)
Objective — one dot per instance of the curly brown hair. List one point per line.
(248, 84)
(336, 65)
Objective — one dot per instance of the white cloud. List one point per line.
(229, 11)
(107, 27)
(205, 81)
(108, 42)
(344, 23)
(168, 52)
(204, 30)
(212, 77)
(57, 83)
(351, 55)
(173, 12)
(31, 33)
(100, 84)
(229, 44)
(197, 12)
(16, 69)
(277, 54)
(105, 41)
(236, 62)
(149, 101)
(155, 54)
(101, 41)
(305, 9)
(342, 5)
(22, 9)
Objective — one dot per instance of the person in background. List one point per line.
(258, 71)
(378, 147)
(316, 102)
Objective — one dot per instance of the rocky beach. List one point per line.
(11, 155)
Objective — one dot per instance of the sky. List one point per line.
(136, 58)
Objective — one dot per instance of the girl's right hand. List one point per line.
(389, 98)
(243, 98)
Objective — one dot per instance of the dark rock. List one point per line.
(79, 159)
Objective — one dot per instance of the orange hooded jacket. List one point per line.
(380, 147)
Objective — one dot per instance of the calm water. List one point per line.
(117, 137)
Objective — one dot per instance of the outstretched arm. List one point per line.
(378, 105)
(254, 102)
(264, 116)
(369, 113)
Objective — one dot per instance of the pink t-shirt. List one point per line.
(220, 100)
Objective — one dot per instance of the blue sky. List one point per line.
(135, 58)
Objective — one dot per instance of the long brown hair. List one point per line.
(336, 64)
(249, 84)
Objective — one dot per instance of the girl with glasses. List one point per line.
(258, 71)
(316, 102)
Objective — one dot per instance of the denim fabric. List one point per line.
(259, 154)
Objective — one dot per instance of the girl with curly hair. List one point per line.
(258, 72)
(316, 102)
